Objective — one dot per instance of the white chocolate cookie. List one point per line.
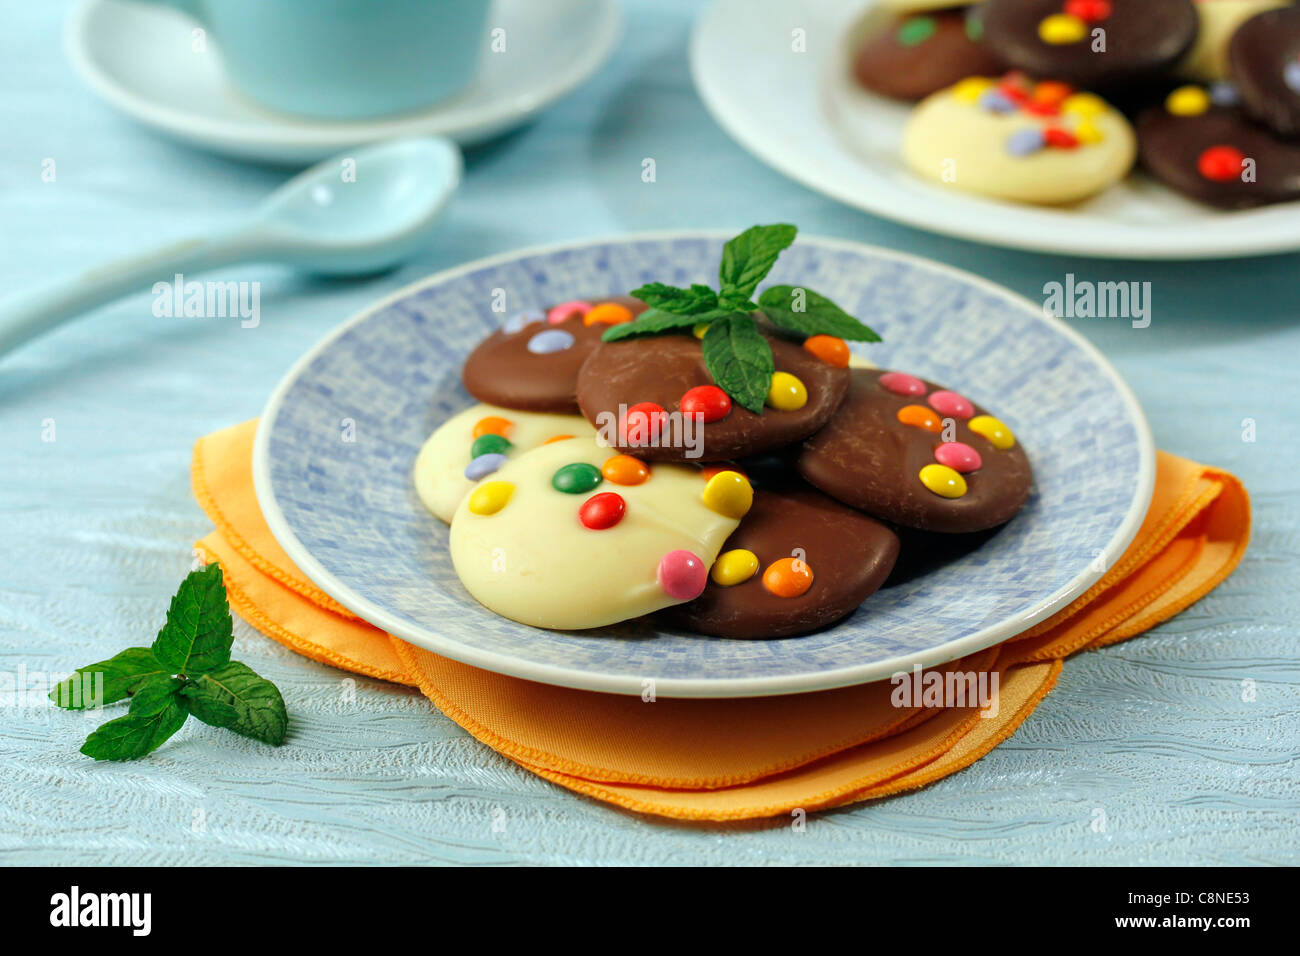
(574, 535)
(446, 468)
(1019, 140)
(1207, 60)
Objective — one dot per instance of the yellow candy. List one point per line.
(490, 497)
(700, 329)
(971, 89)
(734, 567)
(729, 494)
(1061, 28)
(786, 393)
(1087, 133)
(943, 481)
(992, 429)
(1188, 101)
(1086, 105)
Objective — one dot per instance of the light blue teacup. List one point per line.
(345, 59)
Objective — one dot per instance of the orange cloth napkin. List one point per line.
(730, 759)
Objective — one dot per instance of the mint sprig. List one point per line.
(735, 352)
(187, 671)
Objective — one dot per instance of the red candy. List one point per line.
(959, 457)
(682, 575)
(707, 401)
(1221, 163)
(1060, 138)
(900, 383)
(1090, 11)
(642, 424)
(602, 511)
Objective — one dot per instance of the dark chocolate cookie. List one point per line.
(798, 562)
(653, 377)
(1216, 154)
(917, 54)
(1264, 63)
(531, 363)
(1094, 44)
(911, 452)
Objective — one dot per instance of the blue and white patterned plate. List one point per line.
(335, 448)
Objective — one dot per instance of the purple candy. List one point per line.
(1291, 74)
(1224, 93)
(1025, 142)
(551, 340)
(996, 101)
(517, 322)
(484, 465)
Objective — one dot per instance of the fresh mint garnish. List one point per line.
(187, 671)
(735, 353)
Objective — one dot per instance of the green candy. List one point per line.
(576, 479)
(489, 445)
(916, 30)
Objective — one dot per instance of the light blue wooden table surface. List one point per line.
(96, 526)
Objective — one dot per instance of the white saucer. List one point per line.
(802, 114)
(138, 58)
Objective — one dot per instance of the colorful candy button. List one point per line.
(959, 457)
(517, 322)
(568, 310)
(493, 425)
(484, 465)
(1062, 28)
(997, 101)
(1025, 142)
(729, 493)
(682, 575)
(951, 404)
(734, 567)
(625, 470)
(916, 30)
(608, 313)
(943, 481)
(602, 511)
(828, 348)
(707, 401)
(712, 470)
(971, 89)
(787, 393)
(918, 416)
(900, 383)
(490, 497)
(576, 479)
(1051, 93)
(998, 434)
(1088, 133)
(1188, 101)
(489, 444)
(788, 577)
(1058, 138)
(1088, 105)
(550, 341)
(642, 424)
(1090, 11)
(1221, 163)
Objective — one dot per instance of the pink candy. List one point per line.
(951, 404)
(958, 456)
(900, 383)
(682, 575)
(568, 310)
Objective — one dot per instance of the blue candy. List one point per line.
(484, 465)
(996, 101)
(1291, 75)
(1025, 142)
(552, 340)
(1224, 93)
(517, 322)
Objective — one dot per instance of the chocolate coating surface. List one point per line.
(501, 370)
(850, 556)
(1142, 37)
(1264, 63)
(1170, 148)
(893, 62)
(662, 368)
(866, 458)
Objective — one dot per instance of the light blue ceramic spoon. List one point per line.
(363, 212)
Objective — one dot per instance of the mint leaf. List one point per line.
(698, 298)
(157, 711)
(123, 674)
(749, 257)
(655, 322)
(197, 635)
(740, 360)
(803, 310)
(235, 697)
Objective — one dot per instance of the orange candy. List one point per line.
(829, 349)
(625, 470)
(920, 417)
(611, 313)
(788, 577)
(555, 438)
(1052, 93)
(493, 425)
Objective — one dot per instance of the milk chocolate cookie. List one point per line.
(531, 363)
(1215, 154)
(1093, 44)
(911, 452)
(1264, 62)
(655, 397)
(914, 55)
(798, 562)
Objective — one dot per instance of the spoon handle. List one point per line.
(29, 314)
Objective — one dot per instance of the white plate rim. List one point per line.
(316, 138)
(668, 687)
